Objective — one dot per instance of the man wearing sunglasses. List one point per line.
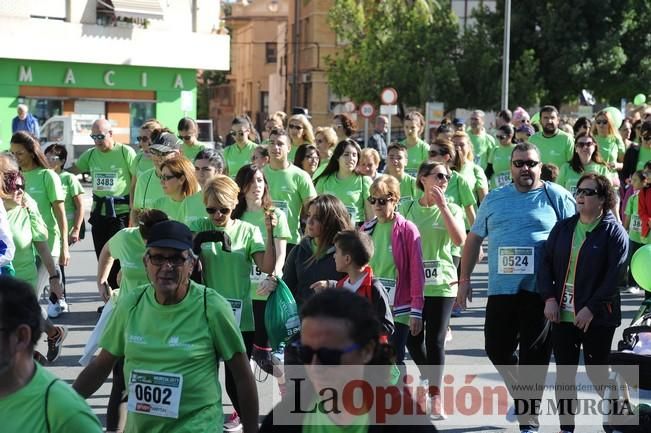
(556, 146)
(239, 153)
(172, 334)
(111, 165)
(517, 219)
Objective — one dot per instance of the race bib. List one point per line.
(390, 286)
(432, 272)
(515, 260)
(105, 181)
(352, 211)
(256, 274)
(156, 394)
(282, 205)
(567, 303)
(236, 306)
(503, 179)
(636, 223)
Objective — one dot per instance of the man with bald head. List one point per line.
(110, 165)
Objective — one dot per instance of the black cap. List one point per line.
(301, 110)
(170, 234)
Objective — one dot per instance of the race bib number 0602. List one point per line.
(515, 260)
(156, 394)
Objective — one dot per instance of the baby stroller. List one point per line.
(633, 350)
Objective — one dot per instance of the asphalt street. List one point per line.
(464, 351)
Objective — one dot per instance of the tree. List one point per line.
(402, 44)
(206, 82)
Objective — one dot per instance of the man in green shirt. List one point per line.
(556, 146)
(482, 142)
(172, 334)
(111, 167)
(31, 398)
(239, 153)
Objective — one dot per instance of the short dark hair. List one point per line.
(505, 115)
(215, 158)
(549, 172)
(59, 151)
(240, 121)
(604, 189)
(358, 245)
(186, 123)
(19, 306)
(548, 109)
(525, 147)
(396, 146)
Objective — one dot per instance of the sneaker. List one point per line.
(54, 344)
(233, 424)
(63, 305)
(634, 290)
(436, 406)
(456, 310)
(448, 335)
(53, 309)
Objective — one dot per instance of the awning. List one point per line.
(134, 8)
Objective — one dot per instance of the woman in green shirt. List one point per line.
(441, 226)
(183, 200)
(300, 132)
(464, 164)
(498, 170)
(417, 148)
(341, 180)
(254, 204)
(586, 159)
(611, 145)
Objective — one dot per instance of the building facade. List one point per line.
(125, 60)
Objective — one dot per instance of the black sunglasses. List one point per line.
(588, 192)
(160, 260)
(518, 163)
(601, 122)
(97, 137)
(435, 153)
(500, 136)
(380, 201)
(440, 176)
(585, 143)
(221, 210)
(168, 176)
(325, 356)
(295, 126)
(185, 137)
(238, 133)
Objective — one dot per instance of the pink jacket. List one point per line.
(408, 256)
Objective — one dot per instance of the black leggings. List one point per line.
(261, 338)
(102, 230)
(116, 398)
(231, 388)
(430, 357)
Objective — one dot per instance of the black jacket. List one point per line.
(600, 262)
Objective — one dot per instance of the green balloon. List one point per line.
(616, 115)
(536, 118)
(641, 267)
(639, 99)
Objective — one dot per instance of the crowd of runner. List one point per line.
(191, 240)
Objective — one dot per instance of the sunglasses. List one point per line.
(585, 143)
(19, 187)
(440, 176)
(143, 139)
(185, 137)
(97, 137)
(586, 192)
(500, 137)
(601, 122)
(221, 210)
(435, 153)
(380, 201)
(295, 126)
(160, 260)
(167, 177)
(518, 163)
(325, 356)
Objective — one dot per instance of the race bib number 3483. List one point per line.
(515, 260)
(105, 181)
(154, 393)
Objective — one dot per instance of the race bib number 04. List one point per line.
(515, 260)
(156, 394)
(432, 272)
(236, 306)
(105, 181)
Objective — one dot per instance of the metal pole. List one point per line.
(505, 54)
(366, 132)
(296, 45)
(389, 131)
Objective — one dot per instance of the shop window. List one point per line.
(140, 112)
(43, 109)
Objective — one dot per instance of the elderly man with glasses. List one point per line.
(172, 334)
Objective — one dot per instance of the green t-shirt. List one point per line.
(148, 190)
(128, 247)
(415, 156)
(191, 152)
(437, 247)
(482, 144)
(382, 262)
(27, 227)
(320, 168)
(643, 157)
(289, 189)
(408, 189)
(474, 176)
(352, 191)
(197, 332)
(320, 422)
(229, 273)
(26, 409)
(44, 186)
(610, 147)
(72, 188)
(281, 231)
(635, 224)
(568, 178)
(500, 157)
(111, 172)
(557, 149)
(237, 158)
(141, 164)
(187, 211)
(567, 301)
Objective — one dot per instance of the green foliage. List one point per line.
(208, 81)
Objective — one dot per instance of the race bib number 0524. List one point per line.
(515, 260)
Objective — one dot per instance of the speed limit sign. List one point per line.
(366, 109)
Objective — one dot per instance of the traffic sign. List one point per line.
(366, 110)
(350, 106)
(389, 96)
(389, 110)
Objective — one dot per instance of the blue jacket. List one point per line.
(600, 262)
(31, 125)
